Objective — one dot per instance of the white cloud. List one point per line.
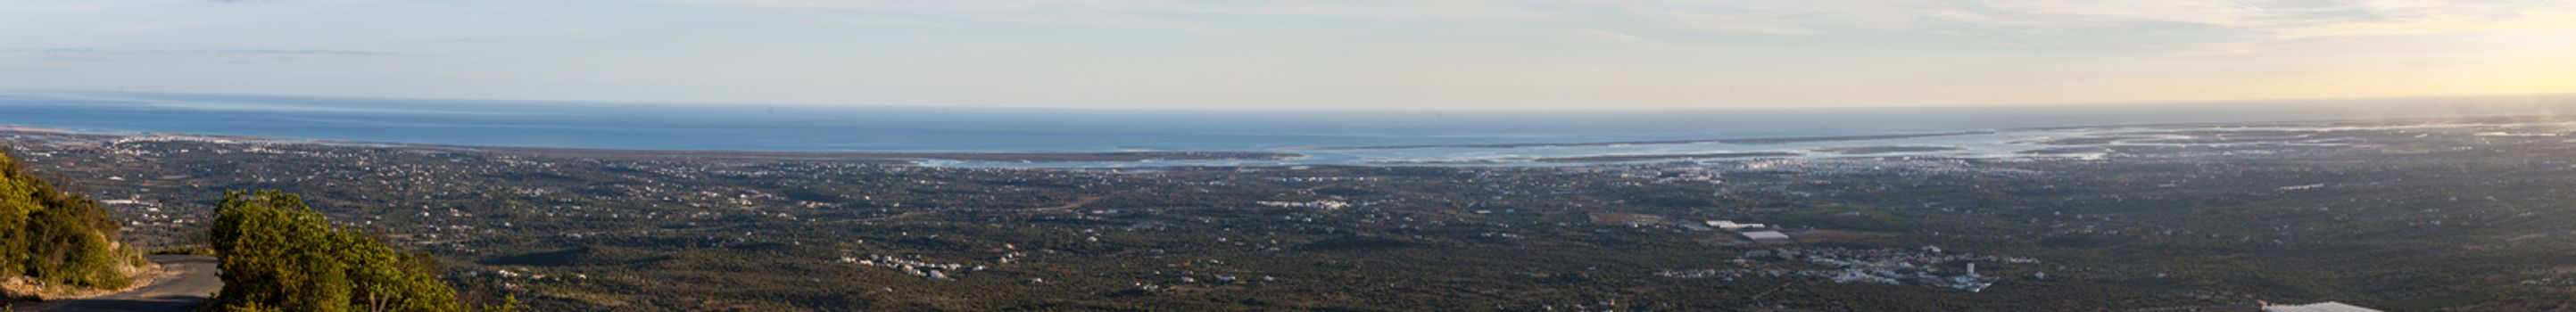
(1419, 9)
(2527, 21)
(1808, 16)
(1282, 53)
(2267, 19)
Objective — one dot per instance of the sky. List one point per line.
(1299, 54)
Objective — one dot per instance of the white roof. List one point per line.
(2328, 306)
(1732, 225)
(1762, 235)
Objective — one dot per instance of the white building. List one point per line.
(1766, 236)
(1731, 225)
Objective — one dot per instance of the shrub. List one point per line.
(278, 254)
(57, 237)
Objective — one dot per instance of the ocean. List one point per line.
(756, 127)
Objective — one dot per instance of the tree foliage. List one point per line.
(280, 255)
(57, 237)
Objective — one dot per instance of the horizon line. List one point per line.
(2280, 100)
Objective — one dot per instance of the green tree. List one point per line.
(279, 254)
(57, 237)
(508, 303)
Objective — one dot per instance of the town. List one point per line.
(2452, 217)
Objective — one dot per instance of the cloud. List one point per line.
(2160, 27)
(200, 56)
(2283, 18)
(1420, 9)
(2271, 19)
(2526, 21)
(306, 52)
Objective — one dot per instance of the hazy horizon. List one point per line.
(1287, 155)
(2533, 100)
(1428, 55)
(828, 128)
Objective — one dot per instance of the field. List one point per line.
(2467, 215)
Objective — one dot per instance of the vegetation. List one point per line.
(280, 255)
(2415, 219)
(57, 238)
(194, 250)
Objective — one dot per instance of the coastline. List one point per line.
(2044, 142)
(58, 134)
(1782, 140)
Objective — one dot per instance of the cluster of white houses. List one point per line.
(1321, 204)
(937, 271)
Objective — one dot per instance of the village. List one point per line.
(1827, 234)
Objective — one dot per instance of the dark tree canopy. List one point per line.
(280, 255)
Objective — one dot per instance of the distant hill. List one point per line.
(53, 241)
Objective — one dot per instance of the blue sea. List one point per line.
(758, 127)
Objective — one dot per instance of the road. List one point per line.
(187, 280)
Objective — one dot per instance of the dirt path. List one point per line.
(189, 280)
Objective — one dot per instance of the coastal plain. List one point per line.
(2405, 215)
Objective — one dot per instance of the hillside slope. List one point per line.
(53, 242)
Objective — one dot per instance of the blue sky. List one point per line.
(1500, 54)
